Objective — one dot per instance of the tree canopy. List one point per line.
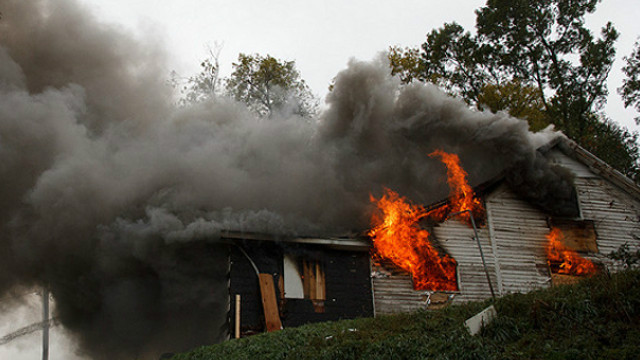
(537, 60)
(267, 84)
(630, 89)
(205, 84)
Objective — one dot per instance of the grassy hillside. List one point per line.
(596, 319)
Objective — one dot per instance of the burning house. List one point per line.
(144, 219)
(482, 242)
(275, 283)
(519, 246)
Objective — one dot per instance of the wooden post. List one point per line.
(237, 316)
(45, 324)
(269, 303)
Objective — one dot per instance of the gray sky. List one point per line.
(321, 36)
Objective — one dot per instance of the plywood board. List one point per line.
(579, 235)
(269, 303)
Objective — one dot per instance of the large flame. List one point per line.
(564, 259)
(397, 236)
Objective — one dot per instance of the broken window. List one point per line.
(304, 279)
(568, 242)
(578, 235)
(293, 287)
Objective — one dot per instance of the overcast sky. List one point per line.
(321, 36)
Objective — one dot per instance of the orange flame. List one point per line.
(397, 236)
(461, 197)
(569, 261)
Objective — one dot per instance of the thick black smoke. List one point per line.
(115, 198)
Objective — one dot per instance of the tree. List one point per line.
(455, 60)
(539, 40)
(630, 89)
(519, 100)
(538, 51)
(406, 64)
(203, 86)
(614, 144)
(267, 84)
(541, 43)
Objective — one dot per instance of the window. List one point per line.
(304, 279)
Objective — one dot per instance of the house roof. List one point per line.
(595, 164)
(574, 151)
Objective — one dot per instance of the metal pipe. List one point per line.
(475, 232)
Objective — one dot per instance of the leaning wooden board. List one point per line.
(269, 303)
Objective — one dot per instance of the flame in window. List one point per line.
(564, 260)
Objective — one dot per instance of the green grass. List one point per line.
(598, 318)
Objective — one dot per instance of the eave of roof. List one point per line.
(339, 243)
(595, 164)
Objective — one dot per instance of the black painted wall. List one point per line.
(347, 282)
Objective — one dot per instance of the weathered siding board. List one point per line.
(393, 289)
(393, 293)
(616, 215)
(458, 240)
(518, 230)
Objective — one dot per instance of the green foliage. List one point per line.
(264, 83)
(537, 52)
(406, 64)
(519, 100)
(630, 89)
(267, 84)
(614, 144)
(538, 42)
(455, 60)
(595, 319)
(626, 256)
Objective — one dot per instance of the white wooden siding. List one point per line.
(513, 239)
(457, 238)
(616, 214)
(393, 288)
(518, 233)
(393, 292)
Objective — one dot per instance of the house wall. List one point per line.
(458, 240)
(513, 240)
(244, 281)
(518, 229)
(615, 213)
(393, 291)
(347, 284)
(518, 233)
(393, 288)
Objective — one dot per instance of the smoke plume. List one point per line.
(115, 198)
